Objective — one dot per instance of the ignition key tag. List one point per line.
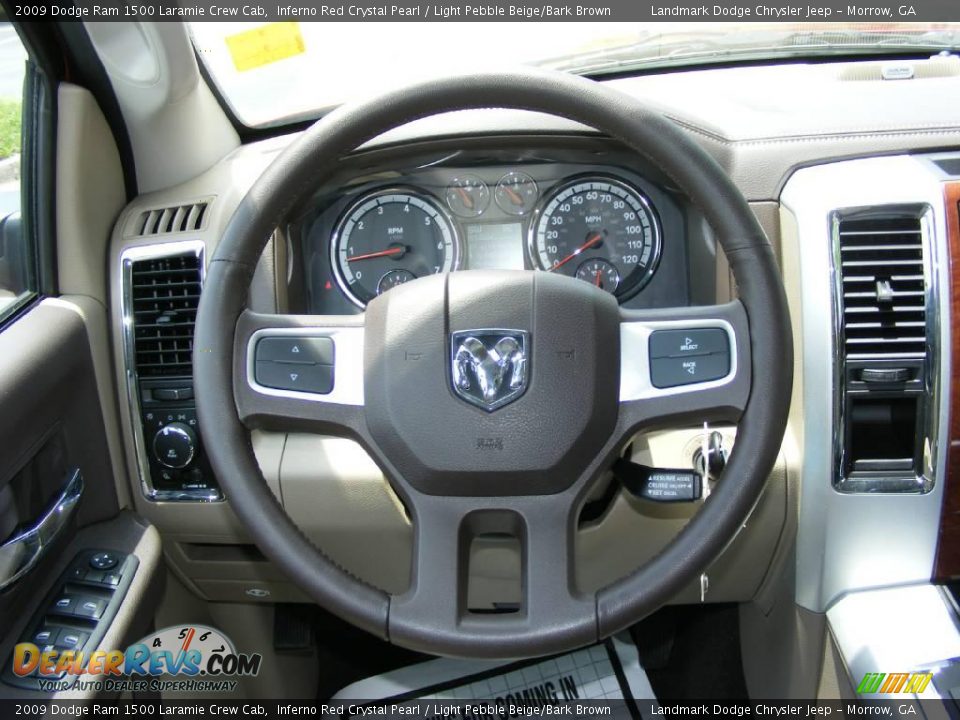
(658, 484)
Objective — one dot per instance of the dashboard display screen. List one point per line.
(497, 246)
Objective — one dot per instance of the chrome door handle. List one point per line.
(20, 554)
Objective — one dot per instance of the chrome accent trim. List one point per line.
(418, 194)
(895, 483)
(21, 553)
(517, 362)
(127, 258)
(851, 541)
(543, 203)
(635, 383)
(927, 636)
(347, 363)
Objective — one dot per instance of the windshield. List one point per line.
(277, 73)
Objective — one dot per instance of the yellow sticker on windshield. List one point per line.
(264, 45)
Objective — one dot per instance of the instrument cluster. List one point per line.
(601, 223)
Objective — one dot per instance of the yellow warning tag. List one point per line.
(265, 44)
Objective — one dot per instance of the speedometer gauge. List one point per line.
(600, 230)
(390, 237)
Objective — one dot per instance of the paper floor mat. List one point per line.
(608, 671)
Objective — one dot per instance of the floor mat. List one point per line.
(608, 671)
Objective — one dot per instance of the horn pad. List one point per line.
(492, 383)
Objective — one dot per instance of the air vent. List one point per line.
(171, 220)
(884, 294)
(165, 294)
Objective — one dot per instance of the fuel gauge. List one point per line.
(516, 193)
(468, 195)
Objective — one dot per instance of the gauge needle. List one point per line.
(389, 252)
(465, 196)
(591, 241)
(514, 196)
(596, 278)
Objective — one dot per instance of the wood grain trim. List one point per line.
(947, 564)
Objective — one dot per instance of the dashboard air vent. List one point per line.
(178, 219)
(165, 295)
(884, 293)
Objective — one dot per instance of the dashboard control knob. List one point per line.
(174, 445)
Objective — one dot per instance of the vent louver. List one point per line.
(884, 294)
(164, 221)
(165, 295)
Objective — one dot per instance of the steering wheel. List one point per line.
(523, 468)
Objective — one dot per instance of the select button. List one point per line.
(689, 341)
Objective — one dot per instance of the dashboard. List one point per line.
(581, 208)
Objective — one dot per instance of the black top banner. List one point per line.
(867, 11)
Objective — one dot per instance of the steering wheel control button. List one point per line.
(296, 377)
(299, 350)
(174, 445)
(683, 343)
(104, 561)
(673, 371)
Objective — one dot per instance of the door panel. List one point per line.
(50, 425)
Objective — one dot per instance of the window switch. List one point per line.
(71, 640)
(64, 605)
(89, 607)
(45, 636)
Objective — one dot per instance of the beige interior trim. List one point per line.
(90, 193)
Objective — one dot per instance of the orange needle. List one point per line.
(591, 241)
(597, 278)
(465, 196)
(380, 253)
(514, 196)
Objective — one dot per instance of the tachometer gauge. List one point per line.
(390, 237)
(516, 193)
(468, 196)
(600, 230)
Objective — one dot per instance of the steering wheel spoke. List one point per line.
(437, 606)
(299, 372)
(491, 399)
(684, 365)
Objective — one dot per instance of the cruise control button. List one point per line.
(689, 341)
(303, 378)
(317, 350)
(670, 372)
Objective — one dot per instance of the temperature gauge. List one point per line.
(468, 195)
(516, 193)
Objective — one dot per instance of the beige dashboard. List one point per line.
(759, 123)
